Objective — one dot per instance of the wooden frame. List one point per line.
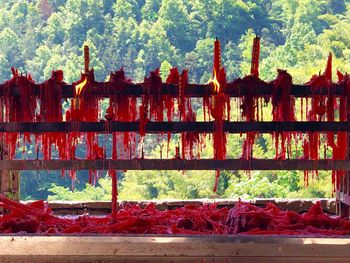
(145, 248)
(105, 89)
(175, 164)
(173, 127)
(236, 89)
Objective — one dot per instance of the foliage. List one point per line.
(39, 36)
(100, 192)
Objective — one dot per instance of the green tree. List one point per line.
(200, 61)
(54, 30)
(150, 10)
(101, 192)
(174, 18)
(39, 36)
(9, 42)
(81, 16)
(156, 46)
(126, 9)
(164, 69)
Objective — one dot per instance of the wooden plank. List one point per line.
(9, 184)
(9, 180)
(167, 259)
(175, 164)
(104, 207)
(173, 127)
(194, 90)
(150, 248)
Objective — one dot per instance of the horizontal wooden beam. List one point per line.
(102, 89)
(173, 127)
(173, 248)
(175, 164)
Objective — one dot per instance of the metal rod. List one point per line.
(175, 164)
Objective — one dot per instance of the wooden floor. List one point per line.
(173, 249)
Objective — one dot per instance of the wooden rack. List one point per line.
(105, 90)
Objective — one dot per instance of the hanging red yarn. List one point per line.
(340, 146)
(85, 108)
(174, 79)
(153, 99)
(322, 108)
(217, 110)
(189, 140)
(123, 109)
(51, 111)
(283, 108)
(19, 108)
(249, 109)
(250, 102)
(20, 104)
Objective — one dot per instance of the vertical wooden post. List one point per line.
(86, 59)
(343, 208)
(9, 184)
(254, 68)
(9, 180)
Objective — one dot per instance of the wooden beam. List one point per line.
(175, 164)
(175, 248)
(104, 207)
(173, 127)
(102, 89)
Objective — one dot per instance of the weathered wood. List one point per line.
(104, 207)
(9, 180)
(173, 127)
(193, 90)
(175, 164)
(173, 249)
(9, 184)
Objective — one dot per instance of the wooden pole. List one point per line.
(105, 89)
(86, 59)
(172, 127)
(114, 176)
(9, 179)
(342, 187)
(176, 164)
(254, 69)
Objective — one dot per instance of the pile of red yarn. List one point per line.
(243, 218)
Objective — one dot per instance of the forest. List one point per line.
(38, 36)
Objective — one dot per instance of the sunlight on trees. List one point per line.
(140, 35)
